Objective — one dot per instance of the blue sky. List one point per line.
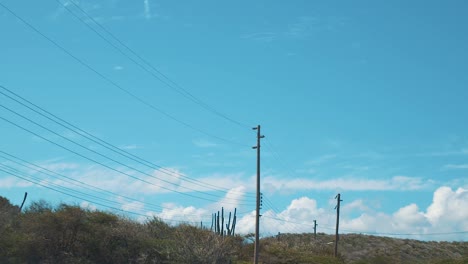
(365, 98)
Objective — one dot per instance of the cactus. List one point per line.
(222, 221)
(228, 225)
(217, 223)
(233, 228)
(212, 221)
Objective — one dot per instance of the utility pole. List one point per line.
(315, 229)
(257, 217)
(338, 197)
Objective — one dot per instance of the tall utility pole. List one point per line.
(257, 217)
(338, 197)
(315, 229)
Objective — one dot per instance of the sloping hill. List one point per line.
(356, 248)
(43, 233)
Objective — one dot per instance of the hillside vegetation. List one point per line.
(70, 234)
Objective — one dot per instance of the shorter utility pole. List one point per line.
(338, 197)
(315, 229)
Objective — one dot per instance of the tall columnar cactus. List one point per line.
(217, 223)
(228, 225)
(233, 227)
(222, 221)
(212, 221)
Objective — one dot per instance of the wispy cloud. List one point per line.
(131, 146)
(397, 183)
(59, 166)
(132, 206)
(262, 36)
(303, 26)
(147, 9)
(61, 10)
(322, 159)
(299, 27)
(202, 143)
(456, 166)
(440, 153)
(13, 182)
(118, 68)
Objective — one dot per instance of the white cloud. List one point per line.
(446, 214)
(61, 9)
(129, 147)
(118, 68)
(176, 214)
(201, 143)
(167, 180)
(448, 207)
(396, 183)
(59, 166)
(147, 10)
(356, 205)
(88, 206)
(322, 159)
(261, 36)
(303, 26)
(12, 182)
(232, 199)
(456, 166)
(134, 206)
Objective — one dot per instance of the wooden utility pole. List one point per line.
(315, 229)
(257, 217)
(338, 197)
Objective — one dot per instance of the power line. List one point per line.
(39, 110)
(38, 182)
(51, 173)
(166, 81)
(406, 234)
(371, 232)
(116, 85)
(289, 226)
(102, 164)
(102, 155)
(287, 221)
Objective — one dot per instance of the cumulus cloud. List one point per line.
(449, 206)
(88, 206)
(446, 214)
(233, 198)
(176, 214)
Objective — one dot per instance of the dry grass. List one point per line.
(354, 248)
